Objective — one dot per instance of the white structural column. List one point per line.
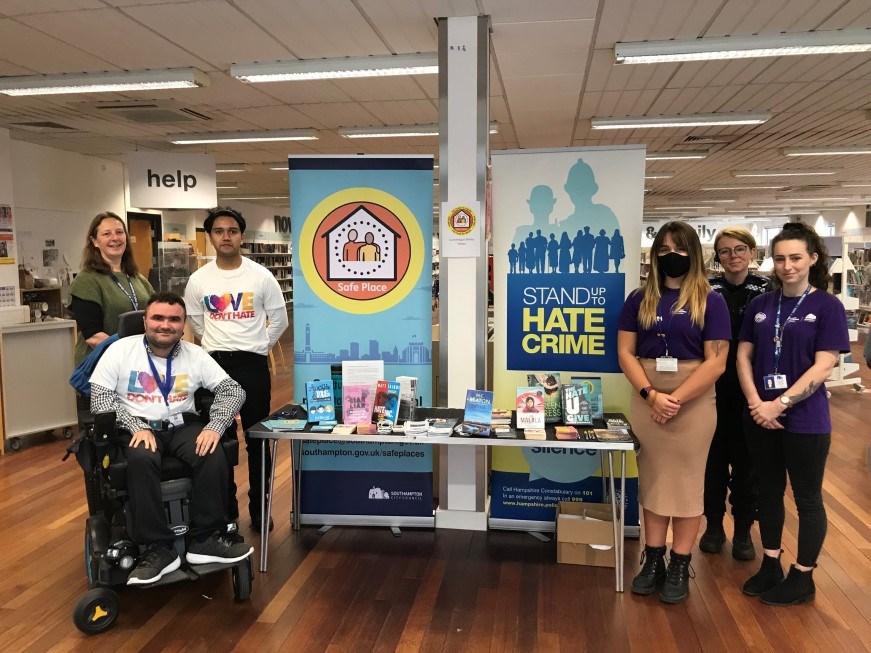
(464, 114)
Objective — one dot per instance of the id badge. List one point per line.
(176, 420)
(775, 382)
(666, 364)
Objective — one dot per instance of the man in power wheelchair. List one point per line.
(145, 385)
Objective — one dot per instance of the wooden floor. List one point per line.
(361, 589)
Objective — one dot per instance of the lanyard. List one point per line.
(660, 316)
(778, 329)
(166, 385)
(134, 300)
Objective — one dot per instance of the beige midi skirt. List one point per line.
(671, 463)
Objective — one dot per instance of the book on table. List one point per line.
(592, 388)
(550, 383)
(356, 404)
(479, 407)
(319, 401)
(386, 406)
(535, 434)
(576, 406)
(530, 408)
(407, 397)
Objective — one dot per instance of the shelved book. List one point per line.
(479, 407)
(592, 387)
(386, 405)
(535, 434)
(319, 401)
(469, 430)
(366, 429)
(576, 407)
(442, 425)
(500, 416)
(550, 383)
(530, 408)
(356, 404)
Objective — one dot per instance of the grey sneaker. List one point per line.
(154, 564)
(218, 548)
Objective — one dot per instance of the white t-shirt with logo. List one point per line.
(228, 308)
(124, 367)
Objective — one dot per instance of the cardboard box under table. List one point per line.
(581, 525)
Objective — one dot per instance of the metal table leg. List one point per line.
(622, 561)
(296, 475)
(618, 544)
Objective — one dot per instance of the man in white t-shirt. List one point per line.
(149, 382)
(237, 309)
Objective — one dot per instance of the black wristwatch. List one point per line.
(645, 392)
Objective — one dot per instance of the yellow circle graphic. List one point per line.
(309, 241)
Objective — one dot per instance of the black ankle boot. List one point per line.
(677, 578)
(797, 587)
(652, 572)
(768, 576)
(713, 537)
(742, 543)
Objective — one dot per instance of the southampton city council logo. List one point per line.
(365, 250)
(461, 220)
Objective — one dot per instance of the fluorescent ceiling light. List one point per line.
(740, 187)
(665, 156)
(856, 184)
(227, 186)
(142, 80)
(377, 66)
(815, 199)
(659, 175)
(825, 151)
(691, 120)
(230, 167)
(244, 137)
(782, 173)
(398, 131)
(722, 201)
(744, 47)
(278, 167)
(260, 197)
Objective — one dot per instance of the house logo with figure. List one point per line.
(361, 250)
(461, 220)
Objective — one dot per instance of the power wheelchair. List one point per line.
(110, 555)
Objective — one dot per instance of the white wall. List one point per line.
(57, 194)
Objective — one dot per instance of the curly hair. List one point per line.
(818, 276)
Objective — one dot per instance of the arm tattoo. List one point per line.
(804, 394)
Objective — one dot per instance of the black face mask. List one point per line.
(673, 265)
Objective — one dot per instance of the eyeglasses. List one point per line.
(740, 250)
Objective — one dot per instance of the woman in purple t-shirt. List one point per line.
(790, 341)
(672, 343)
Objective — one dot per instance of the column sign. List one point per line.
(171, 181)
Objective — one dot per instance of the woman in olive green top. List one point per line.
(108, 285)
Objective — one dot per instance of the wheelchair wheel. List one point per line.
(243, 577)
(96, 611)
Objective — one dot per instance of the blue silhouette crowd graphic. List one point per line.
(582, 246)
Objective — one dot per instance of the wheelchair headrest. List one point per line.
(131, 324)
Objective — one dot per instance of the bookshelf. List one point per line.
(277, 257)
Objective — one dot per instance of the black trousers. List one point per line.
(777, 453)
(730, 466)
(208, 505)
(251, 371)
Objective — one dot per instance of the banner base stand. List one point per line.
(463, 520)
(390, 521)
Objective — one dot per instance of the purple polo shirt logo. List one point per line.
(810, 317)
(759, 317)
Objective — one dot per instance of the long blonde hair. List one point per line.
(693, 290)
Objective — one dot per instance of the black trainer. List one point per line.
(652, 572)
(154, 564)
(768, 576)
(218, 548)
(714, 536)
(677, 578)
